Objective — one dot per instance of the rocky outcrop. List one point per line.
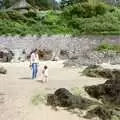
(6, 54)
(107, 92)
(78, 50)
(63, 98)
(98, 71)
(92, 57)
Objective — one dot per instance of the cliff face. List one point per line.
(79, 50)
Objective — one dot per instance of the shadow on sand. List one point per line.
(25, 78)
(29, 78)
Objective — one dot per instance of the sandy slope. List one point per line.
(17, 88)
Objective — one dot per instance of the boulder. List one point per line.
(107, 92)
(6, 54)
(63, 98)
(3, 70)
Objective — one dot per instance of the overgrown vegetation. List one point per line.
(77, 18)
(109, 47)
(39, 99)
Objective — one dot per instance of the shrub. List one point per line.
(108, 47)
(31, 14)
(86, 10)
(16, 16)
(4, 15)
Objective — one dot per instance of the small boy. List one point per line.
(45, 74)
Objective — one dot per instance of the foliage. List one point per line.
(32, 23)
(76, 19)
(109, 47)
(86, 10)
(16, 16)
(39, 98)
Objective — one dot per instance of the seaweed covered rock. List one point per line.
(3, 70)
(107, 92)
(98, 71)
(63, 98)
(95, 91)
(101, 112)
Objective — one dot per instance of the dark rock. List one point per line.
(6, 55)
(63, 98)
(64, 54)
(107, 92)
(101, 112)
(45, 54)
(51, 99)
(3, 70)
(94, 91)
(98, 71)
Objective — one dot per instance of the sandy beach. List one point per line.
(17, 89)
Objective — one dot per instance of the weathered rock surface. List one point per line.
(6, 54)
(79, 50)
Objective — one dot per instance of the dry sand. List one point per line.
(17, 89)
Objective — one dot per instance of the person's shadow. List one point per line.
(25, 78)
(29, 78)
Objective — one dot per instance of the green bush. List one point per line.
(16, 16)
(51, 19)
(86, 10)
(4, 15)
(77, 19)
(105, 24)
(31, 14)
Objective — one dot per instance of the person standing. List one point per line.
(34, 61)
